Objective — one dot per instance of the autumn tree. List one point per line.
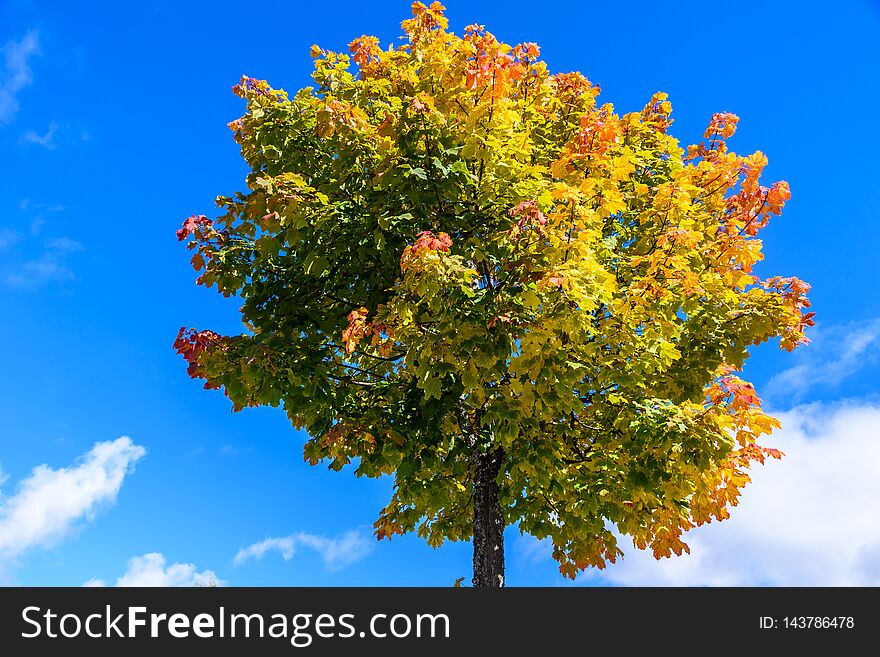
(460, 270)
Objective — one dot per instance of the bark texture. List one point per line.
(488, 520)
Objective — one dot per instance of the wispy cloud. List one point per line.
(808, 520)
(50, 503)
(65, 244)
(336, 553)
(151, 570)
(50, 266)
(232, 450)
(836, 353)
(27, 204)
(283, 545)
(16, 73)
(529, 550)
(40, 209)
(36, 264)
(8, 237)
(46, 140)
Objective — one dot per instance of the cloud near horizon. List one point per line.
(808, 520)
(151, 570)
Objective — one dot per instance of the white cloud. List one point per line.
(336, 553)
(50, 503)
(151, 570)
(45, 140)
(284, 545)
(836, 353)
(340, 551)
(810, 519)
(16, 72)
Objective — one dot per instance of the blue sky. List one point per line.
(113, 129)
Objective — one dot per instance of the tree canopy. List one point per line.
(445, 250)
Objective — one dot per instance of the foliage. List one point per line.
(448, 249)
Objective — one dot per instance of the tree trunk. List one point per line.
(488, 520)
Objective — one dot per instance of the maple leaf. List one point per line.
(356, 329)
(723, 124)
(777, 195)
(190, 225)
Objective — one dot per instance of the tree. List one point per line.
(458, 269)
